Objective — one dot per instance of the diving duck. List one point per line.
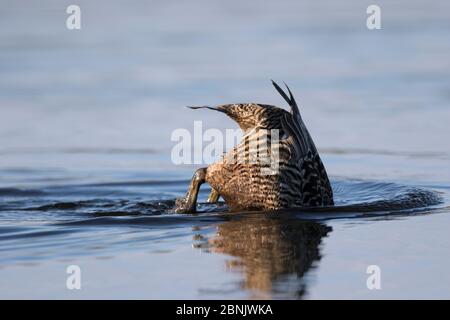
(293, 177)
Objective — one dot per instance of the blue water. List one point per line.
(86, 176)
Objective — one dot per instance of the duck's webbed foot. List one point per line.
(188, 204)
(213, 196)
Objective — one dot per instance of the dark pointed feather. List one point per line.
(281, 92)
(202, 107)
(293, 104)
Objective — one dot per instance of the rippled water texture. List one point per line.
(86, 176)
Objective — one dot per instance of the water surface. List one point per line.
(86, 176)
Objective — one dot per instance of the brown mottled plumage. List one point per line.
(239, 178)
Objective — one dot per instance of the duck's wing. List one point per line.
(315, 185)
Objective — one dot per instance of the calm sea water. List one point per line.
(86, 176)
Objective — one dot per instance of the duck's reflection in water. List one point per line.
(273, 253)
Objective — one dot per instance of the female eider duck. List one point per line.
(249, 182)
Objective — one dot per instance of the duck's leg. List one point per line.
(213, 196)
(188, 204)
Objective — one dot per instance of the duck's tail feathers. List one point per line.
(290, 100)
(206, 107)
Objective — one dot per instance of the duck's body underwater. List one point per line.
(247, 181)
